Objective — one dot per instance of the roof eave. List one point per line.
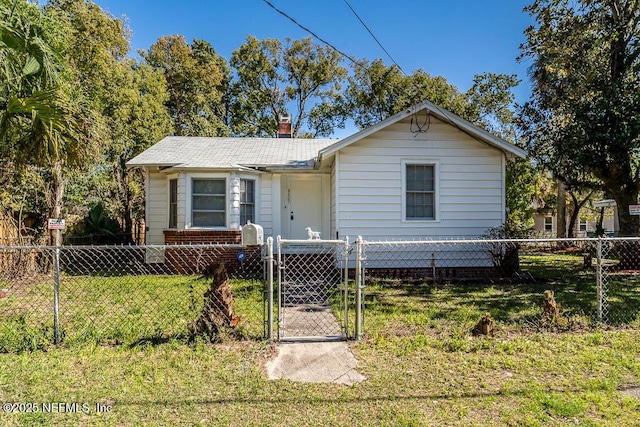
(442, 114)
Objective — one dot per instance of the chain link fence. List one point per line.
(591, 281)
(148, 294)
(124, 294)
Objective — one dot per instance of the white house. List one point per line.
(422, 173)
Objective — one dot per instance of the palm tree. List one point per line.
(38, 124)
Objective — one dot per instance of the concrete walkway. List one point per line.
(312, 361)
(315, 362)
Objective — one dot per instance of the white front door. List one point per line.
(302, 207)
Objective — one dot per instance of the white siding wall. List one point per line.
(369, 195)
(156, 207)
(265, 197)
(182, 201)
(333, 197)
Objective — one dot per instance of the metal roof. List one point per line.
(181, 152)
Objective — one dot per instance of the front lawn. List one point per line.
(422, 364)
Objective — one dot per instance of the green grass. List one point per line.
(528, 379)
(422, 364)
(117, 310)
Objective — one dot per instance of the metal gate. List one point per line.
(313, 289)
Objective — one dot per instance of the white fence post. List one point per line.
(279, 267)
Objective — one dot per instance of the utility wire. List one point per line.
(311, 32)
(421, 128)
(375, 38)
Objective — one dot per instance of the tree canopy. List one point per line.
(583, 121)
(75, 105)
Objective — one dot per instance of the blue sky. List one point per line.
(455, 39)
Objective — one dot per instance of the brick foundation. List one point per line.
(201, 237)
(205, 260)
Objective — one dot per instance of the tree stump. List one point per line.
(484, 326)
(550, 309)
(218, 317)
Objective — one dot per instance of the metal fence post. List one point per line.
(279, 266)
(56, 291)
(599, 293)
(270, 293)
(359, 286)
(346, 286)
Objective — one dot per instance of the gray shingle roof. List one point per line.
(199, 152)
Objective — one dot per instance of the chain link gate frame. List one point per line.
(313, 296)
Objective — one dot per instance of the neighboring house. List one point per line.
(423, 173)
(546, 223)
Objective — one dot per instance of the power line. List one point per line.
(375, 38)
(310, 32)
(421, 129)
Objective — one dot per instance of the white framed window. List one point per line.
(420, 184)
(208, 202)
(247, 201)
(582, 226)
(548, 223)
(173, 203)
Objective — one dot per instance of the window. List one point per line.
(247, 201)
(208, 204)
(548, 223)
(420, 192)
(583, 224)
(173, 203)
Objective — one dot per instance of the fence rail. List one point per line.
(129, 294)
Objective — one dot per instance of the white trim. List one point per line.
(276, 204)
(336, 166)
(438, 112)
(503, 197)
(147, 200)
(167, 220)
(257, 195)
(436, 189)
(325, 204)
(189, 199)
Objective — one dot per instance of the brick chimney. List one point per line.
(284, 126)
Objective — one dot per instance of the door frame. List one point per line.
(325, 202)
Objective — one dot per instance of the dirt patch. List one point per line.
(631, 391)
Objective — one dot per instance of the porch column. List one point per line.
(234, 202)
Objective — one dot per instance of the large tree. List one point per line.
(272, 78)
(138, 120)
(129, 99)
(257, 97)
(583, 121)
(377, 91)
(197, 79)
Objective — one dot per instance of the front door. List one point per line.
(302, 207)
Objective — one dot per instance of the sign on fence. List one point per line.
(634, 209)
(55, 224)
